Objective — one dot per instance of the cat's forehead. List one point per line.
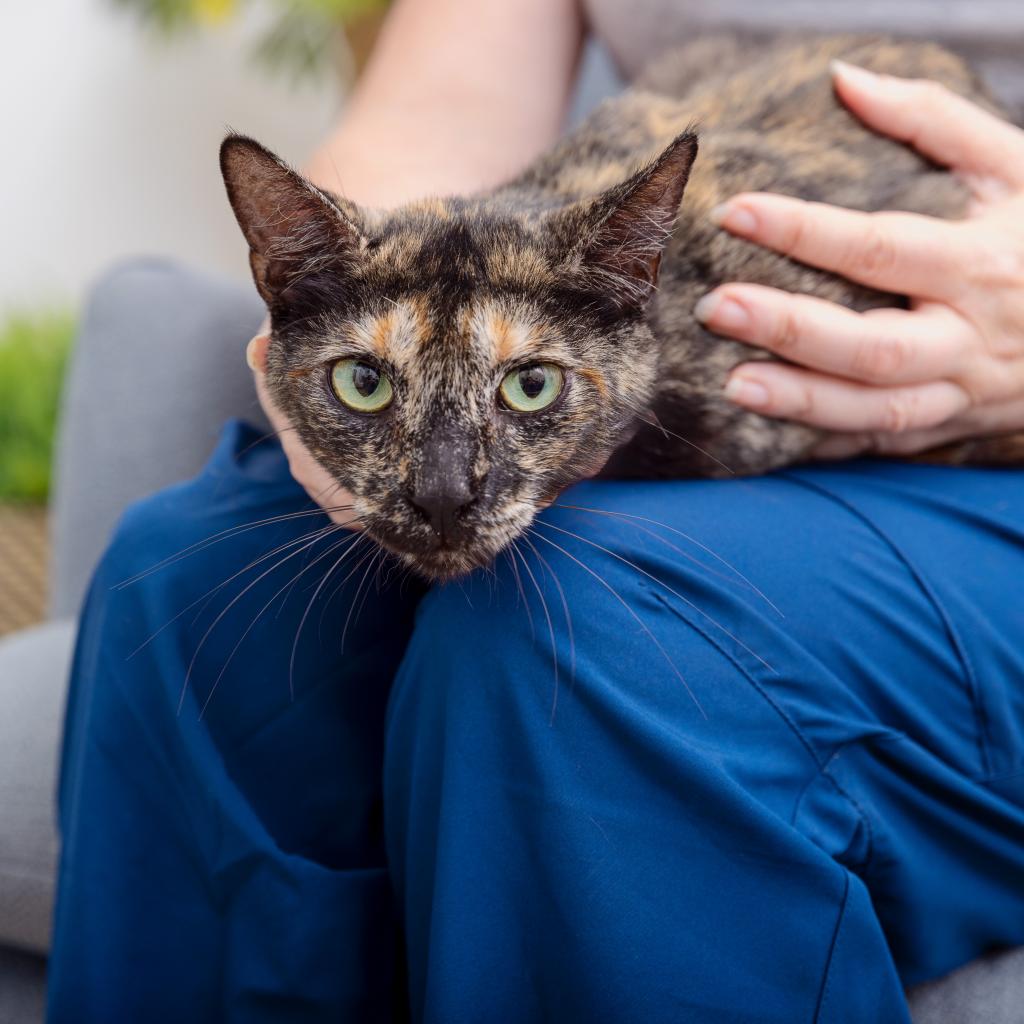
(460, 245)
(456, 279)
(484, 330)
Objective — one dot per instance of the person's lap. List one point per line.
(653, 845)
(670, 792)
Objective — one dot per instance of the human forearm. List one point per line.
(458, 95)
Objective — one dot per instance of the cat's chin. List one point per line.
(445, 563)
(440, 564)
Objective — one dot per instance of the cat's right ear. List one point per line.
(294, 229)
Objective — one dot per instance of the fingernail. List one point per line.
(726, 313)
(852, 73)
(253, 354)
(734, 218)
(745, 391)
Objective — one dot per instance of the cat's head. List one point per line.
(456, 363)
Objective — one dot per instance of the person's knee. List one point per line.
(550, 629)
(602, 628)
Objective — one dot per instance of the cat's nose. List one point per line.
(442, 507)
(442, 488)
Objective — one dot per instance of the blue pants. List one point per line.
(722, 751)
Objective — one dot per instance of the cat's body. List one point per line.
(768, 121)
(457, 362)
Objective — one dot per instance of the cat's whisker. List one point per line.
(334, 485)
(323, 531)
(658, 425)
(661, 583)
(263, 437)
(210, 594)
(216, 538)
(334, 593)
(329, 599)
(373, 553)
(341, 583)
(375, 568)
(406, 576)
(465, 593)
(522, 591)
(740, 577)
(551, 628)
(287, 597)
(629, 608)
(312, 601)
(737, 579)
(394, 566)
(565, 608)
(259, 615)
(230, 605)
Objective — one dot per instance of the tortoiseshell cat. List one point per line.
(458, 362)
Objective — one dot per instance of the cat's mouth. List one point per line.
(446, 563)
(443, 559)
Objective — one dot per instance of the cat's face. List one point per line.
(455, 364)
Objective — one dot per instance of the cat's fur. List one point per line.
(560, 265)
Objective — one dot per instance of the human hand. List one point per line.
(308, 473)
(895, 381)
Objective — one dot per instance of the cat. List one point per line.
(458, 362)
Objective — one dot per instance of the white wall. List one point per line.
(108, 141)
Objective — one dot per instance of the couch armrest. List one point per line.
(33, 682)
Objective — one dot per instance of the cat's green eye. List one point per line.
(361, 386)
(532, 387)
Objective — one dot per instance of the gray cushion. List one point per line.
(33, 681)
(987, 991)
(22, 987)
(158, 365)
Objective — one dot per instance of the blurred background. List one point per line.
(111, 112)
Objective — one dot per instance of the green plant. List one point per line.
(33, 355)
(301, 39)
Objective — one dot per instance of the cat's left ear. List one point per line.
(627, 227)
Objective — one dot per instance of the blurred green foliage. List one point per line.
(33, 354)
(300, 40)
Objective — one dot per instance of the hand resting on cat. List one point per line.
(890, 380)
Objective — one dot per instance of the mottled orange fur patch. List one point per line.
(394, 335)
(510, 338)
(503, 331)
(501, 336)
(596, 378)
(381, 333)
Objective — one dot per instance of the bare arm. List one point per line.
(458, 95)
